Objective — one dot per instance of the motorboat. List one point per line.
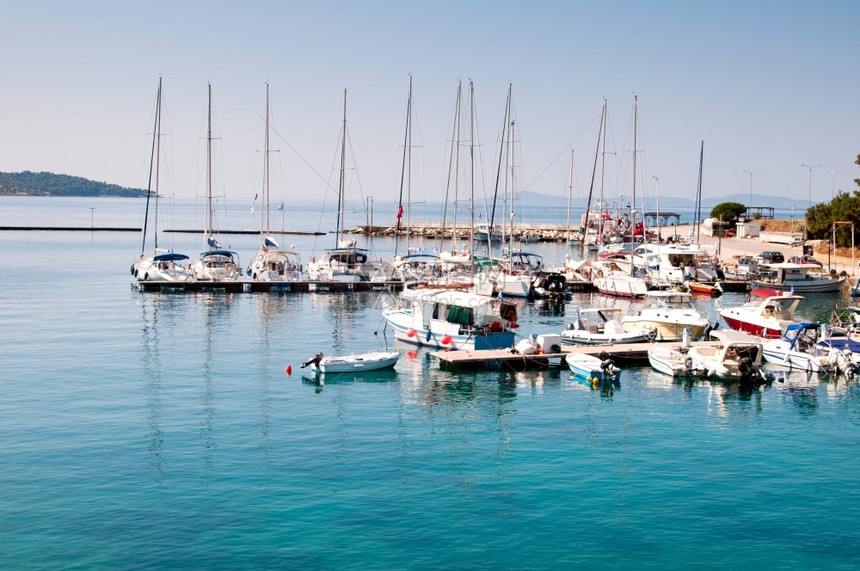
(452, 319)
(675, 361)
(670, 313)
(601, 326)
(767, 313)
(700, 288)
(798, 348)
(598, 372)
(373, 361)
(787, 276)
(619, 283)
(736, 355)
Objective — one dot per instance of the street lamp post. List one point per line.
(809, 191)
(750, 173)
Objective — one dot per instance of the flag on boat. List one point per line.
(269, 243)
(400, 212)
(213, 243)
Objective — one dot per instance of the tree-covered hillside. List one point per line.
(49, 184)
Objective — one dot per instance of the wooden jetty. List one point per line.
(249, 286)
(622, 354)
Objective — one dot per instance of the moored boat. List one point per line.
(796, 278)
(737, 355)
(355, 363)
(598, 372)
(451, 319)
(601, 326)
(798, 348)
(670, 313)
(674, 361)
(766, 314)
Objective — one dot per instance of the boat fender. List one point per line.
(428, 335)
(688, 363)
(595, 383)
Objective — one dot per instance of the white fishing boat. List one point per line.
(674, 361)
(796, 278)
(360, 363)
(670, 313)
(599, 372)
(799, 348)
(736, 355)
(601, 326)
(767, 313)
(451, 319)
(163, 265)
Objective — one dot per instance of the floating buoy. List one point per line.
(289, 370)
(446, 339)
(411, 333)
(411, 354)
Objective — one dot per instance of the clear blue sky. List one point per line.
(768, 85)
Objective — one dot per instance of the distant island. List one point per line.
(49, 184)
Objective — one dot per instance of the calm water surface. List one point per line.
(151, 430)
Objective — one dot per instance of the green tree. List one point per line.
(844, 207)
(728, 211)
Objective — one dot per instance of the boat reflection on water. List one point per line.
(320, 380)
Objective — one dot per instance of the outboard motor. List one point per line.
(315, 360)
(607, 365)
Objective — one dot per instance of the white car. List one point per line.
(796, 242)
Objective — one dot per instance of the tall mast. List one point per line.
(502, 142)
(208, 223)
(342, 174)
(593, 174)
(569, 195)
(264, 213)
(699, 192)
(635, 149)
(472, 173)
(153, 168)
(451, 169)
(457, 162)
(602, 177)
(405, 173)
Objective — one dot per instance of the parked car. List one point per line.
(805, 260)
(771, 258)
(796, 241)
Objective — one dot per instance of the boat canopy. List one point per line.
(219, 252)
(170, 257)
(733, 337)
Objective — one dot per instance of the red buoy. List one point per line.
(289, 370)
(411, 333)
(446, 339)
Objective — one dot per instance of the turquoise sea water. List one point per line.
(154, 430)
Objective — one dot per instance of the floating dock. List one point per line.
(622, 354)
(248, 286)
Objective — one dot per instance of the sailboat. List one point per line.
(216, 264)
(345, 262)
(515, 277)
(271, 264)
(163, 265)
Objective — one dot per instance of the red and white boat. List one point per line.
(767, 313)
